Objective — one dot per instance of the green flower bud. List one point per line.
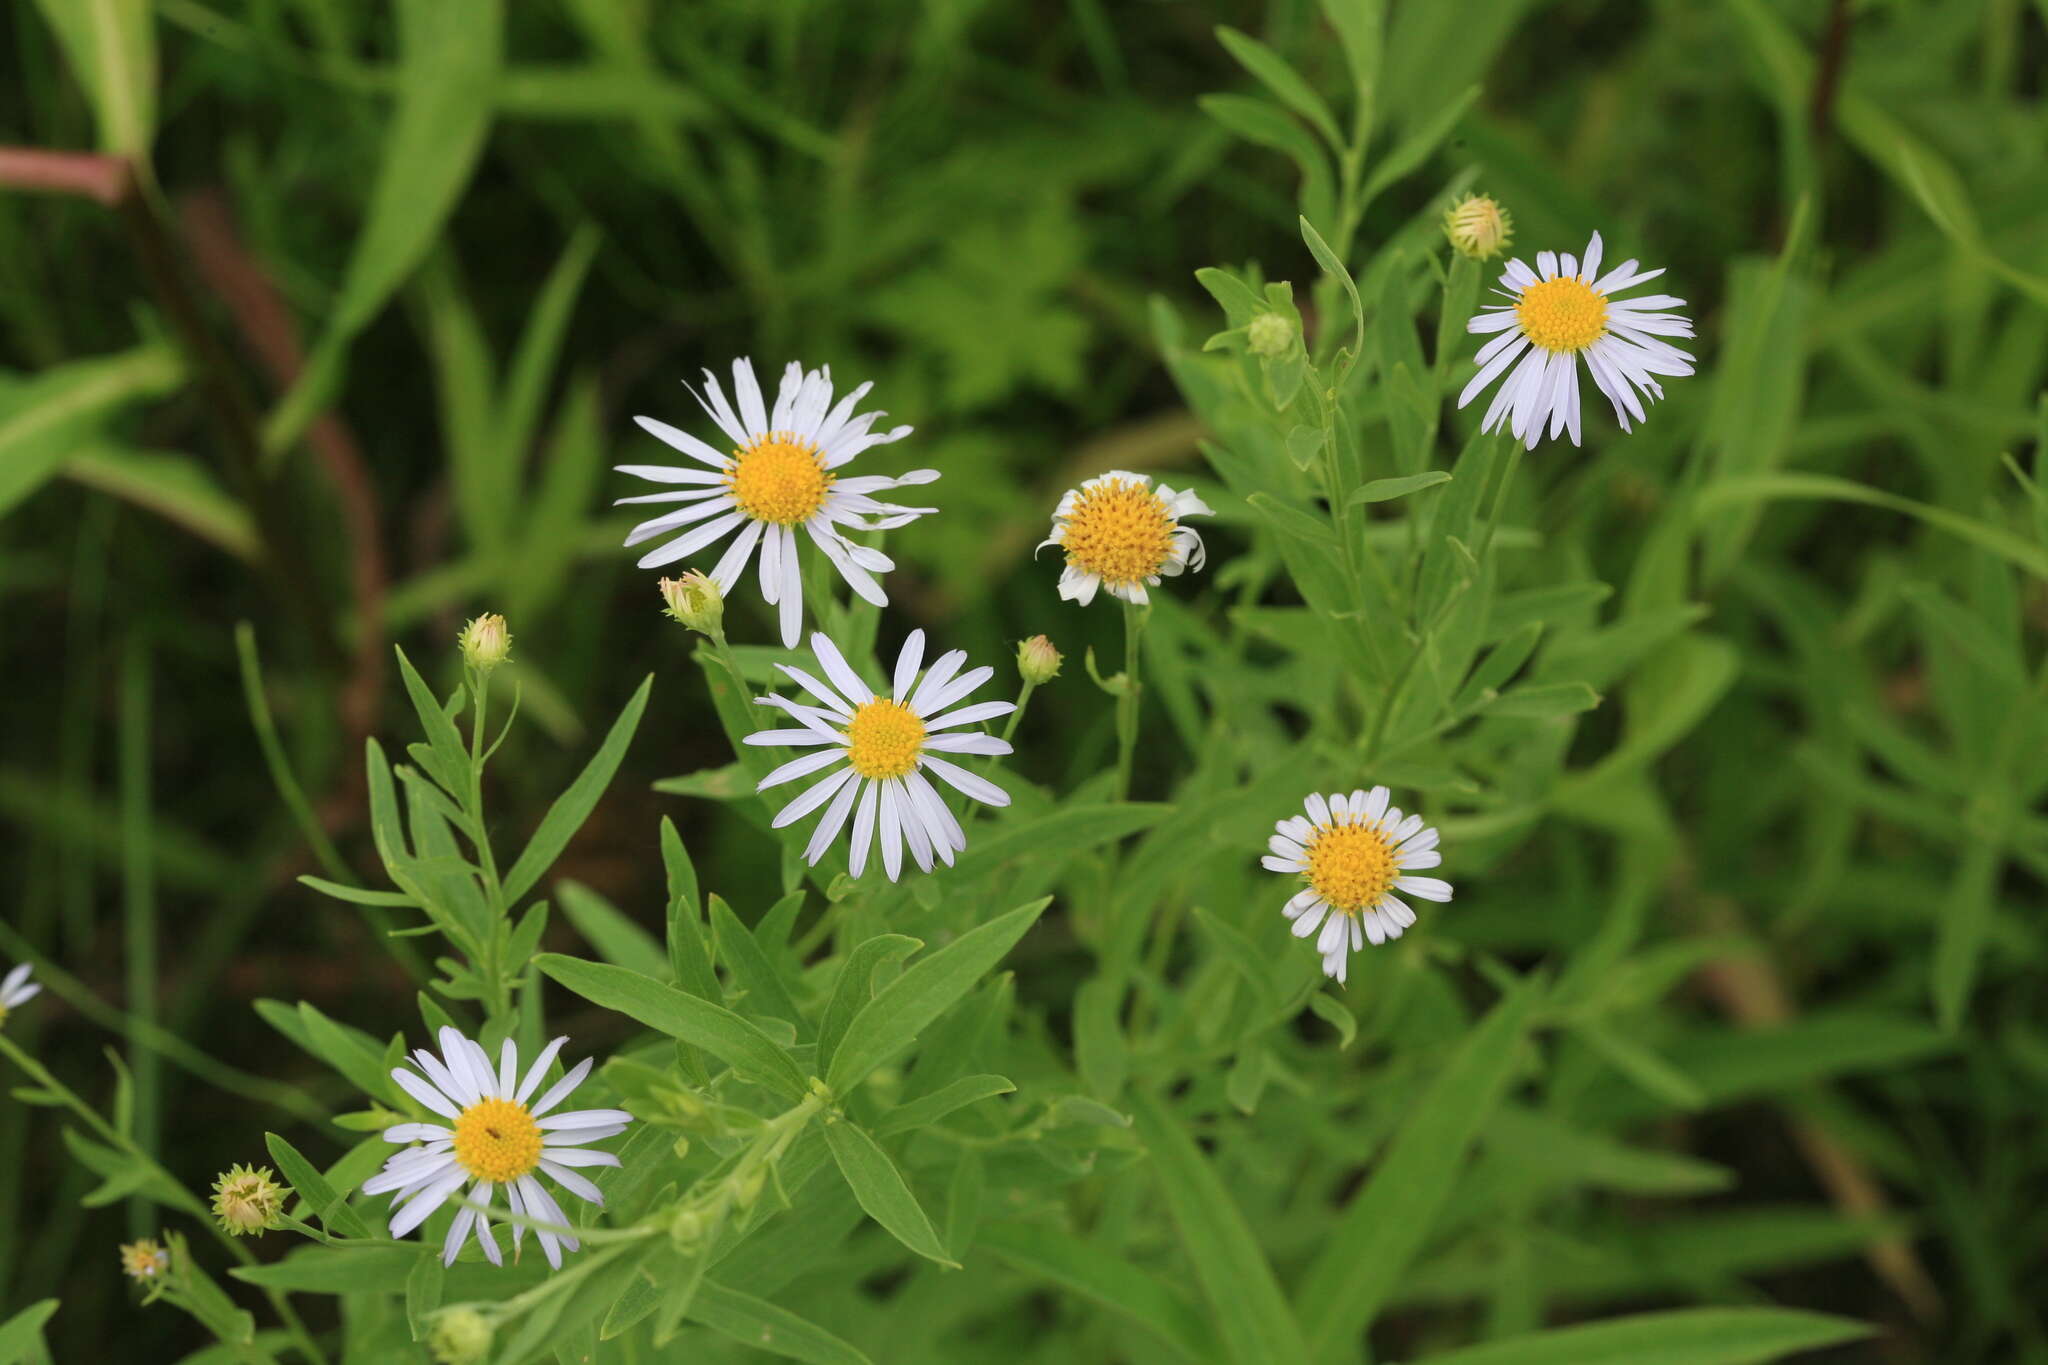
(1269, 335)
(459, 1336)
(485, 642)
(1037, 661)
(695, 601)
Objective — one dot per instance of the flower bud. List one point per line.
(1037, 661)
(246, 1200)
(459, 1336)
(485, 642)
(695, 601)
(1269, 335)
(1479, 227)
(145, 1260)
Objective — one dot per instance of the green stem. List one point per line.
(479, 684)
(138, 895)
(1135, 617)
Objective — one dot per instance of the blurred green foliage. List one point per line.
(1733, 725)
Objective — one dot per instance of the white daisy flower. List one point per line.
(781, 475)
(1122, 534)
(879, 747)
(1557, 313)
(17, 989)
(494, 1137)
(1354, 852)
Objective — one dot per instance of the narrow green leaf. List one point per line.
(1251, 1313)
(893, 1019)
(1965, 921)
(1687, 1336)
(855, 987)
(696, 1021)
(1388, 1220)
(606, 928)
(763, 1326)
(1334, 268)
(43, 421)
(879, 1187)
(573, 806)
(1283, 80)
(1385, 490)
(1103, 1276)
(21, 1336)
(922, 1113)
(330, 1208)
(763, 992)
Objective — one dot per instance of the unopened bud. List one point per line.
(246, 1200)
(459, 1336)
(485, 642)
(1479, 227)
(1269, 335)
(1037, 661)
(695, 601)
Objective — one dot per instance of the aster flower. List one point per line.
(1558, 313)
(1352, 854)
(888, 742)
(494, 1138)
(16, 989)
(781, 475)
(1122, 534)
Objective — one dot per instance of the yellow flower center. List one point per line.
(1119, 530)
(497, 1140)
(779, 478)
(1564, 314)
(884, 739)
(1350, 866)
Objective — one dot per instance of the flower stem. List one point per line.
(1135, 617)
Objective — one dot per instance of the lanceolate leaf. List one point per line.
(1698, 1336)
(879, 1187)
(893, 1019)
(573, 806)
(696, 1021)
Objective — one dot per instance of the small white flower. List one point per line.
(1557, 313)
(781, 475)
(1122, 534)
(879, 747)
(1354, 852)
(494, 1137)
(17, 989)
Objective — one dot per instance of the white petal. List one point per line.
(908, 660)
(539, 1068)
(1429, 888)
(559, 1091)
(980, 788)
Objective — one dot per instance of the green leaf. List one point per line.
(1965, 920)
(606, 928)
(696, 1021)
(1103, 1276)
(1388, 1221)
(855, 987)
(1293, 521)
(21, 1336)
(449, 54)
(922, 1113)
(1250, 1312)
(1544, 701)
(1385, 490)
(1283, 80)
(1690, 1336)
(893, 1019)
(762, 990)
(176, 487)
(330, 1208)
(763, 1326)
(879, 1187)
(573, 806)
(1826, 488)
(1413, 150)
(356, 895)
(338, 1270)
(43, 421)
(111, 45)
(1334, 268)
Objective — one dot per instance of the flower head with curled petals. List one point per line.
(1121, 533)
(497, 1134)
(785, 472)
(1558, 314)
(1352, 853)
(876, 749)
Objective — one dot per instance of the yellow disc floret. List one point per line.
(497, 1140)
(1563, 314)
(1119, 530)
(884, 739)
(1350, 866)
(780, 478)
